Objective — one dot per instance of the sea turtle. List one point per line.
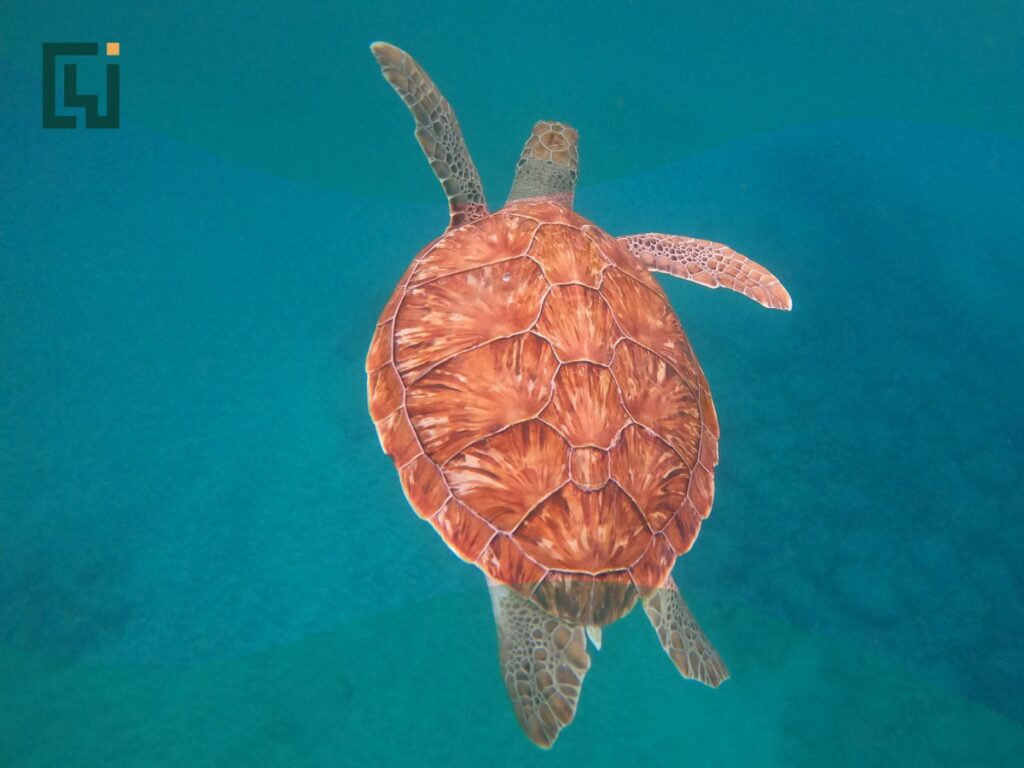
(545, 411)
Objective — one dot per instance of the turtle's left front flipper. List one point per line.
(711, 264)
(437, 131)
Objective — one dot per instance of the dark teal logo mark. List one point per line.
(71, 98)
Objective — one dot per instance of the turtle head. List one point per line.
(549, 164)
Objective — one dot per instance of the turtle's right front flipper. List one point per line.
(437, 131)
(711, 264)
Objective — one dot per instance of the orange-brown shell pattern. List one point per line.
(545, 410)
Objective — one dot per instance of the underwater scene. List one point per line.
(206, 559)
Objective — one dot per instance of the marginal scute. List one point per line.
(657, 397)
(397, 438)
(654, 566)
(589, 531)
(480, 392)
(506, 562)
(380, 347)
(682, 529)
(614, 252)
(385, 391)
(578, 324)
(466, 533)
(424, 486)
(708, 455)
(456, 313)
(567, 255)
(707, 406)
(391, 308)
(651, 473)
(702, 490)
(504, 476)
(486, 241)
(643, 313)
(586, 407)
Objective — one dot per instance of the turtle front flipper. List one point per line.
(681, 637)
(437, 131)
(543, 660)
(711, 264)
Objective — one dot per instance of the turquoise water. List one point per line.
(205, 560)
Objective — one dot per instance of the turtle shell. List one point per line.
(545, 410)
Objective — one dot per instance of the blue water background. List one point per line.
(206, 560)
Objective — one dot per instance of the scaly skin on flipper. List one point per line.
(543, 660)
(710, 264)
(681, 637)
(438, 133)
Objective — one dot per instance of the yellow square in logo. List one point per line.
(113, 49)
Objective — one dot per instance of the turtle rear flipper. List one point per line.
(437, 131)
(681, 637)
(543, 660)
